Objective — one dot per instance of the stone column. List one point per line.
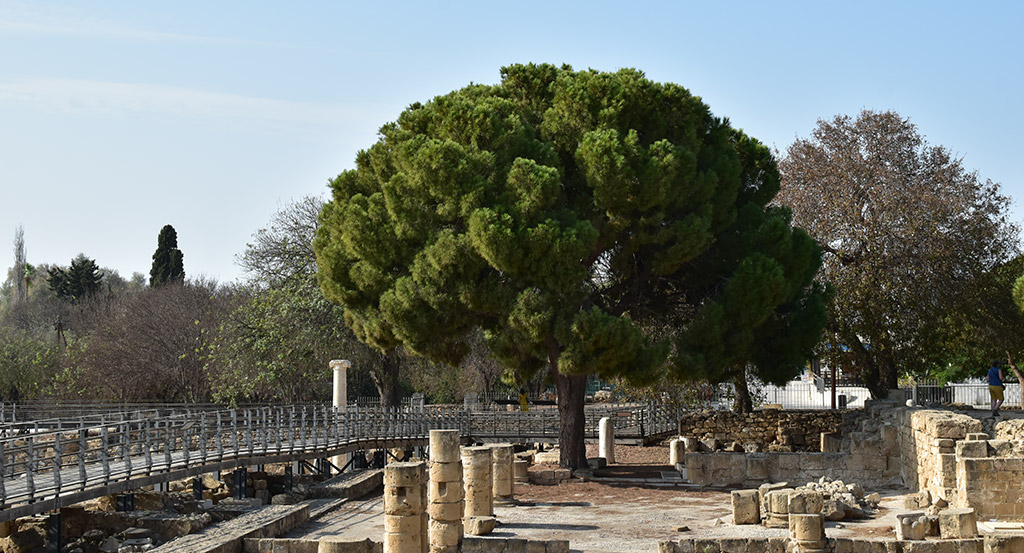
(520, 470)
(501, 461)
(778, 509)
(606, 440)
(340, 368)
(444, 492)
(404, 502)
(807, 532)
(476, 467)
(676, 451)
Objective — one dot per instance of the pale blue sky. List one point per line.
(118, 117)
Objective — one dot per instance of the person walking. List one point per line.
(995, 387)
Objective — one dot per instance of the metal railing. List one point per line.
(49, 463)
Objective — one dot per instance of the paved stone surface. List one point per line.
(226, 536)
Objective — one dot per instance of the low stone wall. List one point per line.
(752, 469)
(927, 447)
(835, 545)
(768, 429)
(512, 545)
(289, 545)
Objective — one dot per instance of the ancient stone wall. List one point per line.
(927, 446)
(767, 430)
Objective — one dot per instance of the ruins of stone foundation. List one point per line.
(960, 469)
(798, 471)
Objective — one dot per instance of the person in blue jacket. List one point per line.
(995, 387)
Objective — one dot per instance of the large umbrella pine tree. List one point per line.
(588, 222)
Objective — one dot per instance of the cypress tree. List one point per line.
(168, 265)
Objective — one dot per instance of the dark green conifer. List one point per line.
(168, 265)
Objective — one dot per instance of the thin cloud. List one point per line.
(86, 96)
(18, 18)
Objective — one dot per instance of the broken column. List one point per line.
(676, 451)
(745, 508)
(911, 526)
(606, 440)
(520, 470)
(444, 492)
(479, 489)
(501, 469)
(807, 532)
(404, 502)
(958, 524)
(777, 515)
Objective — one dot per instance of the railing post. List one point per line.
(277, 432)
(234, 431)
(202, 437)
(126, 448)
(3, 491)
(303, 427)
(186, 454)
(248, 431)
(291, 429)
(219, 438)
(168, 444)
(104, 457)
(82, 445)
(147, 446)
(58, 454)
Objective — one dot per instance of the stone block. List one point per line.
(996, 543)
(447, 512)
(911, 526)
(342, 546)
(479, 525)
(732, 544)
(805, 501)
(806, 527)
(445, 472)
(536, 546)
(958, 524)
(404, 475)
(444, 492)
(404, 501)
(745, 508)
(403, 542)
(971, 449)
(668, 546)
(707, 545)
(515, 545)
(444, 446)
(472, 544)
(757, 467)
(556, 546)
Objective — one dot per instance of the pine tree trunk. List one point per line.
(571, 394)
(385, 379)
(743, 403)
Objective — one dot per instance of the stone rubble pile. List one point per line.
(843, 501)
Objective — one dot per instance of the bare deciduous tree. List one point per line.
(905, 229)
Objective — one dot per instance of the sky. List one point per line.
(119, 117)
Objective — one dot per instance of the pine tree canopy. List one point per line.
(589, 222)
(168, 264)
(81, 280)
